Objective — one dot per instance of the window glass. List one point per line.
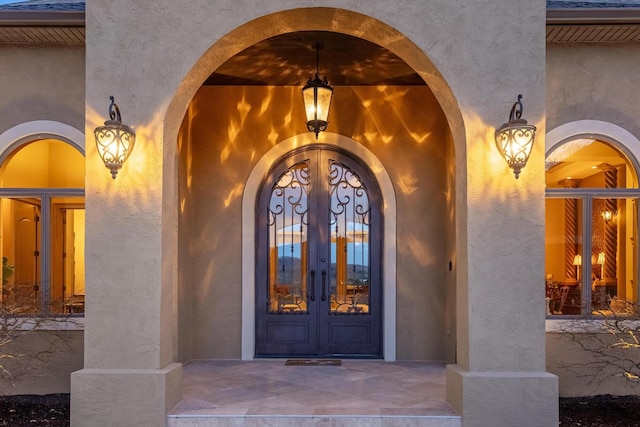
(44, 163)
(583, 163)
(66, 293)
(42, 225)
(564, 266)
(591, 229)
(21, 247)
(613, 256)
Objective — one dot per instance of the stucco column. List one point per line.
(500, 377)
(130, 376)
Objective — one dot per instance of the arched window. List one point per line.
(42, 229)
(591, 230)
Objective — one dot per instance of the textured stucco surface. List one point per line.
(577, 374)
(583, 83)
(475, 73)
(52, 375)
(41, 83)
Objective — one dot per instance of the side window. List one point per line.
(42, 229)
(591, 230)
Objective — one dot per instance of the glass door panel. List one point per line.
(21, 249)
(66, 290)
(288, 227)
(349, 218)
(614, 256)
(564, 256)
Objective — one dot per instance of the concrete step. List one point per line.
(193, 420)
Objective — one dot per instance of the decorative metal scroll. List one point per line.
(349, 220)
(288, 224)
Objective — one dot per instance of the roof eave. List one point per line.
(42, 18)
(593, 16)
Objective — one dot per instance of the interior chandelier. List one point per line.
(515, 139)
(114, 140)
(317, 95)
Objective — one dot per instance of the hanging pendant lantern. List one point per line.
(317, 95)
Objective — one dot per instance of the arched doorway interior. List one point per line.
(388, 249)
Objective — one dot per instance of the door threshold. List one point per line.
(313, 362)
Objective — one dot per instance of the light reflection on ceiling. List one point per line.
(290, 59)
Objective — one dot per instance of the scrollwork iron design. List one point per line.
(288, 220)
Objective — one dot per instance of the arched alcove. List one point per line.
(438, 106)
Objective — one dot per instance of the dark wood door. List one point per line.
(319, 290)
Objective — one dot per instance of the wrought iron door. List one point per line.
(319, 258)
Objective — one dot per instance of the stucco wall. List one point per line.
(595, 82)
(580, 373)
(47, 368)
(229, 131)
(41, 83)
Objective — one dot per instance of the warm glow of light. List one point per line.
(114, 142)
(408, 184)
(235, 192)
(319, 110)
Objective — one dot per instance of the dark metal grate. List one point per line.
(313, 362)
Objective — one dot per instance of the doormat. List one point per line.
(313, 362)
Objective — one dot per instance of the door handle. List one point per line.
(312, 297)
(324, 284)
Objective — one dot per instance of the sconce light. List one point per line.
(114, 140)
(515, 139)
(577, 261)
(317, 95)
(607, 215)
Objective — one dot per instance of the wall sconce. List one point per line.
(317, 95)
(515, 139)
(607, 215)
(114, 140)
(577, 261)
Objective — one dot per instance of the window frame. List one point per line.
(45, 258)
(587, 195)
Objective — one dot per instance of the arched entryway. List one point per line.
(232, 131)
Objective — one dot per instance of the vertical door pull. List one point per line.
(324, 284)
(312, 297)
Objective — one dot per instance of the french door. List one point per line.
(319, 258)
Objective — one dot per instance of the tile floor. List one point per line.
(268, 393)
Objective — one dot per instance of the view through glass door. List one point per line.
(319, 259)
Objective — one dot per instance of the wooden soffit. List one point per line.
(64, 28)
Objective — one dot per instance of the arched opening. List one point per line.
(591, 222)
(42, 220)
(243, 115)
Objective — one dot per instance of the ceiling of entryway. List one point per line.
(290, 59)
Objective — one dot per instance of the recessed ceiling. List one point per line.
(580, 159)
(290, 59)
